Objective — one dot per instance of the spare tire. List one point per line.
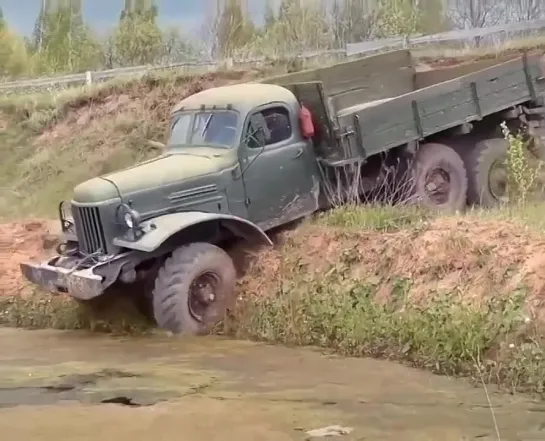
(440, 178)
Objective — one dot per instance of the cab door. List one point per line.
(279, 168)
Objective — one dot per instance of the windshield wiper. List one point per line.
(206, 124)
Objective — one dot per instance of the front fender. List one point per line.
(159, 229)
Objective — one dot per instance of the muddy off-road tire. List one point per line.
(193, 289)
(440, 178)
(487, 179)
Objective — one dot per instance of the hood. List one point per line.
(165, 170)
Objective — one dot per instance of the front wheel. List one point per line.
(194, 289)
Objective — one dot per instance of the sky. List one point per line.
(102, 15)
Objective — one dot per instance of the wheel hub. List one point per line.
(202, 294)
(497, 181)
(437, 186)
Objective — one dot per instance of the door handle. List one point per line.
(299, 153)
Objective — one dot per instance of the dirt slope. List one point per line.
(469, 258)
(19, 241)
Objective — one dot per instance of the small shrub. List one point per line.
(522, 174)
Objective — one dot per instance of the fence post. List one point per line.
(88, 77)
(228, 63)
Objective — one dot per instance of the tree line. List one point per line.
(62, 42)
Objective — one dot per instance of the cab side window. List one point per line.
(270, 126)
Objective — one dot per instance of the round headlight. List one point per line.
(129, 221)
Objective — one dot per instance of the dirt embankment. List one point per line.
(470, 259)
(21, 241)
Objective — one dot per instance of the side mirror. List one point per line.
(256, 139)
(260, 131)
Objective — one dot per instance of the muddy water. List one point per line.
(69, 386)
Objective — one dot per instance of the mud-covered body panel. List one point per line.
(229, 190)
(159, 229)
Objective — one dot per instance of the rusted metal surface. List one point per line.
(82, 284)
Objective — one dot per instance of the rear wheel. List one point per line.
(440, 177)
(194, 289)
(488, 175)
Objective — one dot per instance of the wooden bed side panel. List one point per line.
(431, 110)
(365, 79)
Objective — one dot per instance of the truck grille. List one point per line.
(89, 229)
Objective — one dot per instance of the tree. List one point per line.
(64, 44)
(525, 10)
(137, 40)
(432, 18)
(298, 26)
(38, 34)
(142, 8)
(301, 26)
(3, 24)
(14, 58)
(477, 13)
(176, 47)
(353, 21)
(269, 16)
(397, 18)
(234, 29)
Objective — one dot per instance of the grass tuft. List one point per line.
(44, 311)
(381, 218)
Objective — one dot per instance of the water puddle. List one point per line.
(82, 387)
(93, 388)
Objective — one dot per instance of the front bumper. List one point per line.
(82, 284)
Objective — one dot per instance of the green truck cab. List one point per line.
(237, 165)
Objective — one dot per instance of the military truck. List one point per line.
(237, 165)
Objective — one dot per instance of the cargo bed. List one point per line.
(371, 105)
(391, 122)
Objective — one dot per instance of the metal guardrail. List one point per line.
(100, 76)
(450, 36)
(351, 49)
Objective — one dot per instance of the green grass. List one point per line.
(381, 218)
(339, 306)
(116, 315)
(447, 338)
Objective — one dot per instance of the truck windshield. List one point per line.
(217, 128)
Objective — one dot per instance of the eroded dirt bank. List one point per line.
(471, 259)
(212, 389)
(19, 241)
(458, 295)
